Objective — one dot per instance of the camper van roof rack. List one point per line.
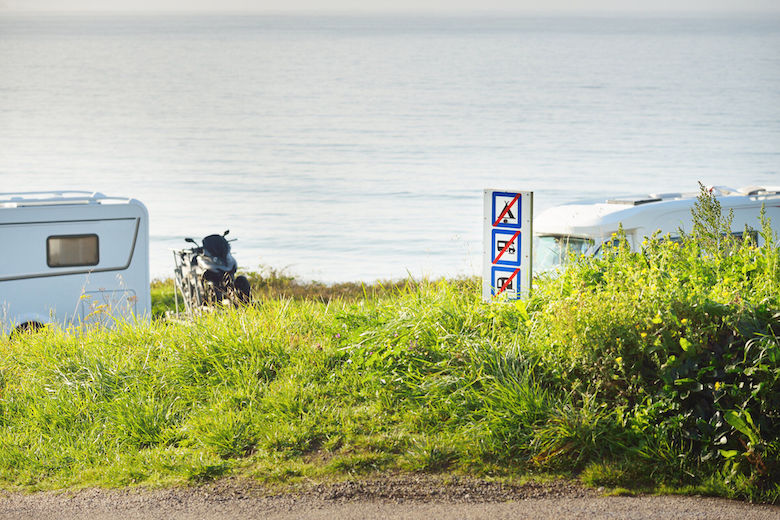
(758, 191)
(633, 202)
(48, 198)
(749, 191)
(667, 196)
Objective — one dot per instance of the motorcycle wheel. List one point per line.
(212, 295)
(242, 289)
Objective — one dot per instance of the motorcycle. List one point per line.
(205, 275)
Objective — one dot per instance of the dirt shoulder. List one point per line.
(407, 496)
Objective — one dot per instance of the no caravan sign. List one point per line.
(507, 245)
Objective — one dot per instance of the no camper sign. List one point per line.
(507, 253)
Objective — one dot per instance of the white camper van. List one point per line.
(72, 257)
(583, 228)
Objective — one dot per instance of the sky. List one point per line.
(431, 6)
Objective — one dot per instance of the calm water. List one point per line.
(347, 148)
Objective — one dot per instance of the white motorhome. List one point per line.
(72, 257)
(583, 228)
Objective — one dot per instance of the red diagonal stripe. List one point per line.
(508, 281)
(506, 246)
(507, 209)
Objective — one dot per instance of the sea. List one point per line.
(357, 148)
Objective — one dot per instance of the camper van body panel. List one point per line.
(600, 221)
(41, 281)
(564, 228)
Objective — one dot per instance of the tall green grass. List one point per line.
(651, 370)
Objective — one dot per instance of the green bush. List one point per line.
(682, 340)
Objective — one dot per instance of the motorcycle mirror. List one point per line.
(190, 240)
(226, 232)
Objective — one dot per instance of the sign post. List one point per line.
(507, 253)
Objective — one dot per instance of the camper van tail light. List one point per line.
(72, 250)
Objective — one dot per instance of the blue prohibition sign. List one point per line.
(504, 280)
(506, 247)
(506, 212)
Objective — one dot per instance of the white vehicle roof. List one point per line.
(52, 198)
(644, 215)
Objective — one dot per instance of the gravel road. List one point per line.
(395, 497)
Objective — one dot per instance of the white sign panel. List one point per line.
(508, 240)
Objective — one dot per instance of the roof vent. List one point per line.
(721, 190)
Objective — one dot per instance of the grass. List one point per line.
(642, 371)
(270, 284)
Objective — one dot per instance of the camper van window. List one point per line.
(72, 250)
(551, 251)
(740, 236)
(598, 251)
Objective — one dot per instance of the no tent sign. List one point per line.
(507, 254)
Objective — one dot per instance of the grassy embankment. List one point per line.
(656, 370)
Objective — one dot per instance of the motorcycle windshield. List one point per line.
(216, 245)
